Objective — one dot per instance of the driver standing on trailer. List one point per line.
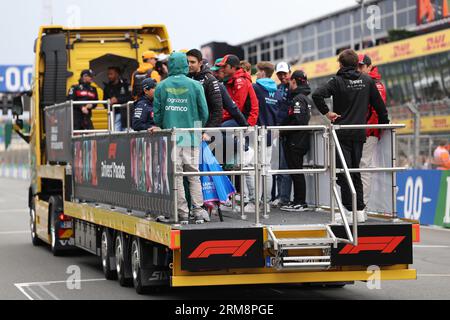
(83, 91)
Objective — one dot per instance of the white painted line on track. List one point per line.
(435, 228)
(13, 210)
(14, 232)
(49, 292)
(437, 275)
(23, 291)
(430, 246)
(28, 286)
(56, 282)
(35, 294)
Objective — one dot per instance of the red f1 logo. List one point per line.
(235, 248)
(112, 150)
(383, 244)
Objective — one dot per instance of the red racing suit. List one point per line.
(372, 117)
(241, 90)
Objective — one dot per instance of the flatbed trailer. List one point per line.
(91, 190)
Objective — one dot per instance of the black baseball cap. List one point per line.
(364, 59)
(299, 76)
(231, 60)
(148, 84)
(87, 72)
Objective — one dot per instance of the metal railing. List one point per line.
(264, 165)
(331, 149)
(77, 103)
(241, 173)
(113, 112)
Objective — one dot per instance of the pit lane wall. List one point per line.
(424, 195)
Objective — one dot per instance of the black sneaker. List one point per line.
(294, 207)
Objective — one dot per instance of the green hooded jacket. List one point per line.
(180, 102)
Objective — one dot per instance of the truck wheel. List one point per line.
(107, 255)
(122, 264)
(34, 238)
(136, 266)
(55, 203)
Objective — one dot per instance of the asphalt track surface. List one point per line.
(33, 273)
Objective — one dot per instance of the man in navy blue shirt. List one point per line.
(268, 98)
(143, 107)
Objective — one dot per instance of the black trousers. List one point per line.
(82, 121)
(294, 159)
(352, 151)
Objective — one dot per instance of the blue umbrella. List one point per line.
(215, 188)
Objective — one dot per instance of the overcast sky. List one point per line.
(190, 23)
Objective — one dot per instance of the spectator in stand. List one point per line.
(442, 156)
(372, 135)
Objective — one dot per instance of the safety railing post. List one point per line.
(71, 117)
(316, 175)
(175, 175)
(264, 171)
(128, 116)
(332, 155)
(257, 172)
(350, 184)
(394, 174)
(241, 145)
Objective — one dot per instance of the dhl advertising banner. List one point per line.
(424, 195)
(131, 171)
(427, 125)
(431, 43)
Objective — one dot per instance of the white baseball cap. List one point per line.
(283, 67)
(163, 57)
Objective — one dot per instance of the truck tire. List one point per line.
(34, 238)
(55, 208)
(136, 254)
(107, 255)
(122, 261)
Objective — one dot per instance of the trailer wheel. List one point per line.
(55, 203)
(34, 238)
(107, 255)
(136, 266)
(121, 261)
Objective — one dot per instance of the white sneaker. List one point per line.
(338, 217)
(275, 203)
(250, 207)
(201, 214)
(362, 216)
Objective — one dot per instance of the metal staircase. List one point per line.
(282, 248)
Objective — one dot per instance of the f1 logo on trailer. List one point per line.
(378, 244)
(216, 249)
(235, 248)
(383, 244)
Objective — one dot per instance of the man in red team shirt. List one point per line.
(239, 86)
(372, 135)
